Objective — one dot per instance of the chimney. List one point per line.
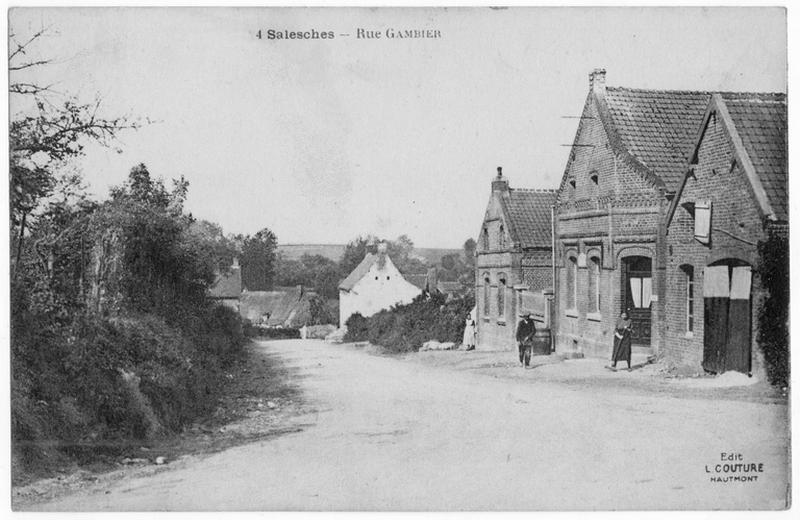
(381, 254)
(500, 183)
(597, 81)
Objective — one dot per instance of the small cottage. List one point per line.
(287, 307)
(375, 284)
(732, 198)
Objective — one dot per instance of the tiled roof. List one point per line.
(359, 272)
(286, 306)
(227, 285)
(449, 287)
(760, 121)
(657, 127)
(420, 281)
(529, 216)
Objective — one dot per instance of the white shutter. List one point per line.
(715, 282)
(740, 283)
(702, 221)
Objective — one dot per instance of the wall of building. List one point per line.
(495, 328)
(734, 213)
(381, 288)
(611, 213)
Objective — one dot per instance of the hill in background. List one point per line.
(430, 255)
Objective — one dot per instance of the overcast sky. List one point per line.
(325, 140)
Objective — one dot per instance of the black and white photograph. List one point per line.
(400, 259)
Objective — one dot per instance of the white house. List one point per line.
(375, 284)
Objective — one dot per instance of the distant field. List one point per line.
(295, 251)
(431, 255)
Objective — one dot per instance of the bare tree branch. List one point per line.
(28, 65)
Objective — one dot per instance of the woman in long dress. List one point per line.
(469, 333)
(622, 341)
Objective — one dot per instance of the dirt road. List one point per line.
(390, 434)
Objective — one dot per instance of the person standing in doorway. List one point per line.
(526, 330)
(622, 341)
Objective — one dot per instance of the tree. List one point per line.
(469, 251)
(223, 248)
(258, 260)
(354, 253)
(50, 133)
(314, 271)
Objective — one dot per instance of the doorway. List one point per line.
(727, 316)
(637, 294)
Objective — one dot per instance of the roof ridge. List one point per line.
(536, 190)
(666, 91)
(704, 92)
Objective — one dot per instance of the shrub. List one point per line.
(773, 316)
(404, 328)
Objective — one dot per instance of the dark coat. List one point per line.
(622, 345)
(525, 331)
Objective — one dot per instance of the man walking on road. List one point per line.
(525, 333)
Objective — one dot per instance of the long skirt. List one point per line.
(622, 348)
(469, 336)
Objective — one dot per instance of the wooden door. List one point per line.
(726, 319)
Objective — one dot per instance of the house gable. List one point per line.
(762, 119)
(517, 219)
(600, 170)
(495, 231)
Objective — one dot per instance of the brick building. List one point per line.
(626, 162)
(513, 262)
(732, 197)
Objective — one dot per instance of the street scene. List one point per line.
(399, 259)
(375, 432)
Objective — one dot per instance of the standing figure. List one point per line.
(526, 330)
(469, 333)
(622, 341)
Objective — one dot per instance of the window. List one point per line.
(502, 237)
(486, 294)
(594, 284)
(501, 296)
(593, 176)
(485, 238)
(702, 221)
(572, 271)
(688, 276)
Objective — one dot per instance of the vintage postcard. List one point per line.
(399, 259)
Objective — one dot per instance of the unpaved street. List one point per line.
(391, 434)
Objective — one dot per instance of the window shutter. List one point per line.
(702, 221)
(716, 283)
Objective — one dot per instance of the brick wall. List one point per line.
(616, 217)
(734, 212)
